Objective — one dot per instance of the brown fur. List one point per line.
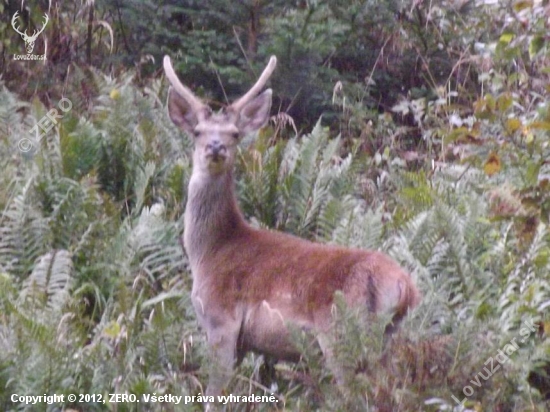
(249, 284)
(298, 278)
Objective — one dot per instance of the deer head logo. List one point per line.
(29, 40)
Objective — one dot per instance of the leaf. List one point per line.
(492, 165)
(532, 173)
(541, 260)
(540, 126)
(529, 137)
(506, 38)
(457, 134)
(504, 102)
(535, 45)
(522, 5)
(463, 135)
(160, 298)
(513, 125)
(112, 330)
(484, 108)
(114, 94)
(47, 287)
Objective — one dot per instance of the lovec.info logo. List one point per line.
(28, 39)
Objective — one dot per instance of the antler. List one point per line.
(35, 33)
(240, 103)
(24, 34)
(13, 22)
(196, 104)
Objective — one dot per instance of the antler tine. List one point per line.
(35, 33)
(239, 104)
(46, 20)
(183, 91)
(14, 22)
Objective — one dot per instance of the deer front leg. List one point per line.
(222, 331)
(222, 342)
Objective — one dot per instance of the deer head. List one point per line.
(216, 135)
(29, 40)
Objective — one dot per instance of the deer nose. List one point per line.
(216, 147)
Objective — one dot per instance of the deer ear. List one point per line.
(181, 112)
(254, 114)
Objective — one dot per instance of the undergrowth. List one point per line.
(94, 284)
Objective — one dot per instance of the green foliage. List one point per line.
(302, 185)
(93, 300)
(380, 50)
(91, 290)
(94, 286)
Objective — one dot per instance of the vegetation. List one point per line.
(433, 146)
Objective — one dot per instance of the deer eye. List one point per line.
(235, 135)
(196, 133)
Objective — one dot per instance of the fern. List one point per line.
(259, 167)
(300, 186)
(14, 125)
(49, 284)
(95, 287)
(527, 287)
(24, 231)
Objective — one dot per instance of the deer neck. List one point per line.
(211, 215)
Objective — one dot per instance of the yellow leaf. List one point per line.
(540, 125)
(484, 108)
(528, 135)
(492, 165)
(512, 125)
(114, 94)
(112, 330)
(521, 5)
(504, 102)
(459, 134)
(506, 38)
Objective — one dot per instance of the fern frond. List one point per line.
(50, 281)
(24, 231)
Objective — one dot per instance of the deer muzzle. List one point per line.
(216, 150)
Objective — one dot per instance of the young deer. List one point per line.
(249, 284)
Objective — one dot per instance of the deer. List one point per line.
(29, 40)
(250, 284)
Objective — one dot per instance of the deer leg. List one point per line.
(267, 373)
(222, 342)
(392, 327)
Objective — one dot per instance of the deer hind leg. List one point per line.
(399, 310)
(393, 326)
(408, 297)
(268, 374)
